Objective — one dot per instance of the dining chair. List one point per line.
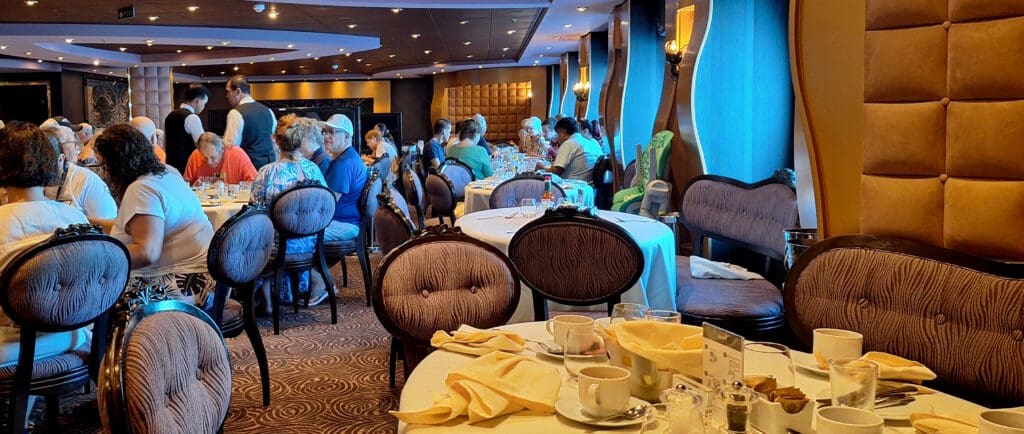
(337, 250)
(238, 253)
(442, 196)
(414, 194)
(510, 192)
(601, 179)
(628, 174)
(572, 257)
(478, 286)
(391, 222)
(167, 371)
(459, 174)
(302, 210)
(65, 283)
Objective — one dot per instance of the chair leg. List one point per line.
(22, 382)
(393, 361)
(252, 331)
(275, 302)
(53, 412)
(540, 308)
(294, 278)
(325, 273)
(344, 271)
(364, 263)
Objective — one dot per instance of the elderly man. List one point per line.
(78, 187)
(345, 175)
(313, 147)
(576, 155)
(85, 134)
(211, 158)
(479, 118)
(148, 128)
(250, 125)
(184, 126)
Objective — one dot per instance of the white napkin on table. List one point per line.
(702, 268)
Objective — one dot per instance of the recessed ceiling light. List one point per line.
(567, 25)
(434, 72)
(467, 42)
(178, 51)
(135, 65)
(581, 9)
(301, 67)
(95, 71)
(369, 64)
(504, 49)
(123, 49)
(464, 22)
(31, 2)
(222, 73)
(396, 10)
(28, 53)
(183, 64)
(272, 14)
(3, 47)
(309, 54)
(541, 55)
(60, 57)
(479, 67)
(558, 37)
(283, 71)
(415, 35)
(436, 62)
(511, 31)
(359, 60)
(153, 18)
(391, 56)
(209, 47)
(469, 56)
(427, 51)
(348, 54)
(316, 58)
(291, 45)
(149, 42)
(96, 62)
(234, 69)
(271, 58)
(40, 60)
(192, 8)
(69, 40)
(344, 70)
(251, 62)
(225, 42)
(352, 26)
(341, 49)
(442, 70)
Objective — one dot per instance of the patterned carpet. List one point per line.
(324, 378)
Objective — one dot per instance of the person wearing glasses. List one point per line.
(78, 186)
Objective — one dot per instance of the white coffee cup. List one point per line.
(604, 390)
(560, 325)
(838, 344)
(846, 420)
(1001, 422)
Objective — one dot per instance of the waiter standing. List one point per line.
(183, 127)
(250, 124)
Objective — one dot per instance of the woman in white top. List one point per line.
(158, 218)
(28, 162)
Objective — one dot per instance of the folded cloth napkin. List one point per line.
(702, 268)
(469, 340)
(670, 346)
(930, 423)
(492, 385)
(892, 367)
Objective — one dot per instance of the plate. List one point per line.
(808, 363)
(570, 407)
(535, 347)
(923, 403)
(210, 204)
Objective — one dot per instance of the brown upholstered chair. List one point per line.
(167, 371)
(337, 250)
(442, 197)
(238, 253)
(482, 290)
(628, 174)
(62, 284)
(391, 222)
(509, 193)
(303, 210)
(574, 258)
(749, 216)
(959, 314)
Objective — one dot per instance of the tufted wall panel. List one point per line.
(943, 103)
(504, 105)
(151, 93)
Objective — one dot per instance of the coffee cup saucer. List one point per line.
(569, 406)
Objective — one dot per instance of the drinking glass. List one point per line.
(528, 207)
(628, 312)
(583, 348)
(663, 316)
(769, 360)
(853, 383)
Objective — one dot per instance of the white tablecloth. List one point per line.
(478, 193)
(427, 381)
(655, 288)
(218, 214)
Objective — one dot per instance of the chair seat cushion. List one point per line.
(339, 248)
(51, 366)
(756, 300)
(292, 261)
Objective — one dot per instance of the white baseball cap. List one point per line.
(340, 122)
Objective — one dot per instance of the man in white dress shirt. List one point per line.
(250, 125)
(183, 126)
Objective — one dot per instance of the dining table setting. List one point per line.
(478, 193)
(642, 371)
(221, 201)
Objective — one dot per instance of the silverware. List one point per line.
(550, 348)
(895, 403)
(511, 216)
(630, 414)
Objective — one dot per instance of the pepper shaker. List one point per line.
(738, 401)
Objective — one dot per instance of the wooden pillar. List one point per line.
(569, 74)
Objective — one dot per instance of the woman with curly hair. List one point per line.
(158, 218)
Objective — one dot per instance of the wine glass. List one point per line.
(528, 207)
(769, 360)
(663, 316)
(583, 348)
(628, 312)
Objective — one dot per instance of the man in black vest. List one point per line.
(182, 127)
(250, 124)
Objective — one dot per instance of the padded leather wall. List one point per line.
(151, 93)
(943, 103)
(504, 105)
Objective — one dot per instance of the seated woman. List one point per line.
(531, 138)
(467, 151)
(273, 179)
(159, 219)
(28, 163)
(381, 148)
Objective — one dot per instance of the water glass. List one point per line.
(528, 207)
(853, 383)
(628, 312)
(583, 347)
(663, 316)
(769, 360)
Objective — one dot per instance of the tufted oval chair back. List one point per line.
(595, 261)
(459, 174)
(242, 247)
(414, 194)
(509, 193)
(167, 371)
(304, 209)
(392, 225)
(441, 193)
(414, 297)
(368, 199)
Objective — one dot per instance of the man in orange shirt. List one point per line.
(211, 158)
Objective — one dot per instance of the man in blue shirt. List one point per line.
(433, 151)
(345, 175)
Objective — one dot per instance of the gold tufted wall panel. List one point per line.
(943, 140)
(504, 106)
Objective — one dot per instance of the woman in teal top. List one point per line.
(468, 152)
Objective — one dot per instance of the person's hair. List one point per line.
(549, 122)
(374, 133)
(567, 126)
(196, 90)
(468, 128)
(86, 127)
(440, 125)
(61, 134)
(591, 128)
(533, 123)
(212, 138)
(27, 157)
(292, 130)
(127, 155)
(384, 133)
(239, 82)
(481, 121)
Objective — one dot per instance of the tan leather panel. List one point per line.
(984, 217)
(905, 64)
(904, 139)
(902, 207)
(881, 14)
(986, 139)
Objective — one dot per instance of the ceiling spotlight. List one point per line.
(348, 54)
(178, 51)
(183, 64)
(60, 58)
(283, 71)
(436, 62)
(291, 45)
(271, 58)
(192, 8)
(31, 2)
(359, 60)
(316, 58)
(511, 31)
(153, 18)
(352, 26)
(251, 62)
(427, 51)
(225, 42)
(222, 73)
(135, 65)
(209, 47)
(301, 66)
(504, 49)
(464, 22)
(272, 14)
(467, 42)
(95, 62)
(547, 48)
(234, 69)
(341, 49)
(442, 70)
(123, 49)
(396, 10)
(415, 35)
(581, 9)
(391, 56)
(309, 54)
(149, 42)
(479, 67)
(40, 60)
(369, 64)
(3, 47)
(69, 40)
(567, 25)
(469, 56)
(28, 53)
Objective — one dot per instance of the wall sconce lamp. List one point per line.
(582, 90)
(673, 57)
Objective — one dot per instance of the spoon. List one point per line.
(550, 348)
(511, 216)
(630, 414)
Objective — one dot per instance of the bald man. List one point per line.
(148, 128)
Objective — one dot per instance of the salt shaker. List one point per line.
(682, 406)
(738, 401)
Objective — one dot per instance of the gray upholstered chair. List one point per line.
(392, 224)
(337, 250)
(303, 210)
(414, 194)
(960, 315)
(509, 193)
(441, 193)
(749, 216)
(459, 174)
(62, 284)
(573, 258)
(482, 291)
(238, 253)
(167, 371)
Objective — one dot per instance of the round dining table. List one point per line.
(655, 288)
(478, 193)
(426, 382)
(220, 213)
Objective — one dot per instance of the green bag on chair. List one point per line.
(662, 144)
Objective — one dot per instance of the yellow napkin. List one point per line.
(930, 423)
(892, 367)
(492, 385)
(670, 346)
(469, 340)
